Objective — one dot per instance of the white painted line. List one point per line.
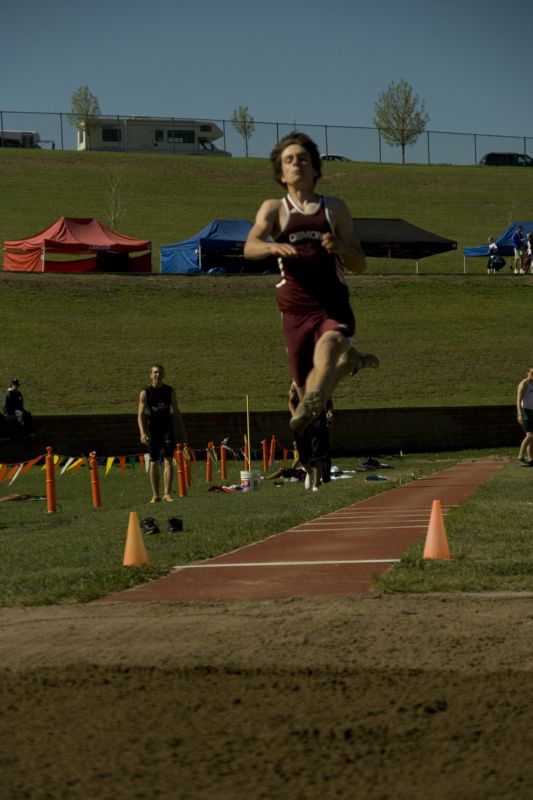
(287, 563)
(335, 526)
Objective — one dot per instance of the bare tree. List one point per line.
(84, 111)
(243, 122)
(115, 199)
(400, 115)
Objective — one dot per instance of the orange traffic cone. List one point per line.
(135, 551)
(436, 542)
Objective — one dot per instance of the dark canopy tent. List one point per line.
(109, 250)
(395, 238)
(219, 246)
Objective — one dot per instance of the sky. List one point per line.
(290, 62)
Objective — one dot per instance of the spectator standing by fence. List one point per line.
(518, 245)
(524, 413)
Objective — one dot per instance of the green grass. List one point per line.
(84, 344)
(490, 543)
(75, 555)
(169, 198)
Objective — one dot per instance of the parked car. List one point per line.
(332, 157)
(507, 160)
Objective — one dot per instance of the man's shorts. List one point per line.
(527, 416)
(161, 442)
(302, 332)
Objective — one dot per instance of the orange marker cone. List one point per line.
(436, 542)
(135, 552)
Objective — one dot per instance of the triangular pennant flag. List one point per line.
(16, 471)
(109, 464)
(67, 464)
(30, 464)
(3, 470)
(77, 464)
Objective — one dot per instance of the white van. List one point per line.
(150, 135)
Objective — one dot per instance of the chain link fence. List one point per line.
(367, 144)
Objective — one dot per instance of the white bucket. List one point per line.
(250, 481)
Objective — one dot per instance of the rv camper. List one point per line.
(19, 138)
(149, 135)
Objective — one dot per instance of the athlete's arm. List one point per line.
(519, 396)
(345, 242)
(266, 225)
(141, 418)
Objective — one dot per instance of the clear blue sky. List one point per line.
(303, 62)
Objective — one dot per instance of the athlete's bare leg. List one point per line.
(167, 480)
(154, 480)
(334, 359)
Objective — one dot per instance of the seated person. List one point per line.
(494, 262)
(15, 411)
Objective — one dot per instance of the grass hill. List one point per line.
(85, 343)
(168, 198)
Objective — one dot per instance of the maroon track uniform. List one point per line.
(312, 294)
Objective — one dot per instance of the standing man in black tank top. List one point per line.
(157, 412)
(314, 241)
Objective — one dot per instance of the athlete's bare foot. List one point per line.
(358, 361)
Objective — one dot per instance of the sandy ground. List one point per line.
(392, 697)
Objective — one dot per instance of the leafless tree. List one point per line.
(115, 199)
(243, 122)
(85, 111)
(399, 115)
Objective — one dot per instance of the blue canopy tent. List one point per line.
(220, 245)
(504, 242)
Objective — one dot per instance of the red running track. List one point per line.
(336, 555)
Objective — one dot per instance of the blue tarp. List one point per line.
(224, 237)
(504, 241)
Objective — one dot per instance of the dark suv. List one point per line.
(507, 160)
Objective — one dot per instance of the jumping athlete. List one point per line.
(158, 408)
(313, 239)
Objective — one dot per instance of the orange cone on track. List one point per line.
(436, 542)
(135, 552)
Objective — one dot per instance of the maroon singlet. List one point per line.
(312, 281)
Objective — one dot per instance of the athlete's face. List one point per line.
(156, 376)
(296, 166)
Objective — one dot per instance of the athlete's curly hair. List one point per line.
(295, 138)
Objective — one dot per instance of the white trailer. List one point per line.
(150, 135)
(19, 138)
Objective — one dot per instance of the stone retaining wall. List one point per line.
(355, 432)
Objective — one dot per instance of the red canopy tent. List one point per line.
(109, 249)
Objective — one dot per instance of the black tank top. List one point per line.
(159, 406)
